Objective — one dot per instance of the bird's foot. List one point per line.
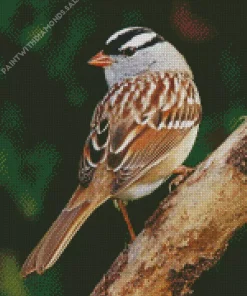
(183, 173)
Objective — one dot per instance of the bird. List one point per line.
(141, 132)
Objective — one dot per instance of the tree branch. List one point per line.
(189, 231)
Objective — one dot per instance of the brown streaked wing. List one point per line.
(147, 149)
(159, 116)
(152, 141)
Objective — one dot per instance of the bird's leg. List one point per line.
(183, 172)
(122, 208)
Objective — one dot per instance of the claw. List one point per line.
(183, 173)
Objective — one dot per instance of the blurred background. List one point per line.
(47, 99)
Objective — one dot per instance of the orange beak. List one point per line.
(100, 60)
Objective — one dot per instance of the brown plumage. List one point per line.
(136, 133)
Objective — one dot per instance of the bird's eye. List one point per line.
(129, 51)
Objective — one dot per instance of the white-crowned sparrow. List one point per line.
(142, 130)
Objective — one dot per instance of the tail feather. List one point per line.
(59, 235)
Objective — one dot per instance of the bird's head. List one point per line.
(136, 50)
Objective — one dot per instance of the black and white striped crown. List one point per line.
(131, 38)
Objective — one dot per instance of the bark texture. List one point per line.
(189, 231)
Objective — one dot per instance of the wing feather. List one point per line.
(143, 119)
(144, 154)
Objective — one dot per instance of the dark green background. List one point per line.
(46, 104)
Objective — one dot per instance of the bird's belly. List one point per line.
(138, 190)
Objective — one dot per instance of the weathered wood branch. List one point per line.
(189, 231)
